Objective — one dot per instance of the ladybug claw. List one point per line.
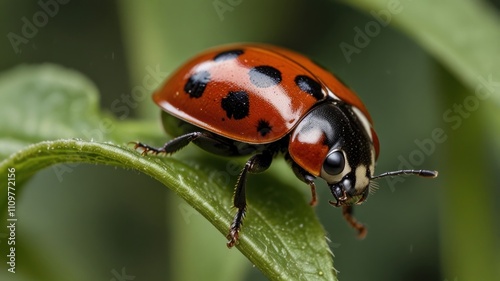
(233, 238)
(313, 202)
(362, 232)
(145, 149)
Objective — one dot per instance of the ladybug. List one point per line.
(262, 100)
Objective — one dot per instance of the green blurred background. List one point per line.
(95, 222)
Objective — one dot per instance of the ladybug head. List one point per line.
(354, 187)
(334, 141)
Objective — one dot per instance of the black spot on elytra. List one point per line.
(263, 127)
(236, 104)
(310, 86)
(227, 55)
(264, 76)
(196, 84)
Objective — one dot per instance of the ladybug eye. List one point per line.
(334, 163)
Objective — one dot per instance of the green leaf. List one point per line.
(28, 98)
(281, 235)
(462, 35)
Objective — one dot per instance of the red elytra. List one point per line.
(284, 104)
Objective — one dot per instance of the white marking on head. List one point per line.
(372, 165)
(332, 95)
(362, 180)
(364, 121)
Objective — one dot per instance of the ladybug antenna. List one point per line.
(420, 173)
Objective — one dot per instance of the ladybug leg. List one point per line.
(347, 212)
(304, 176)
(314, 200)
(203, 139)
(256, 164)
(169, 147)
